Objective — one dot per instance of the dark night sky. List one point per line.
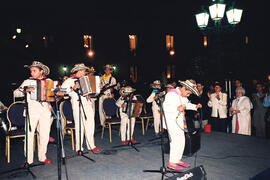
(110, 22)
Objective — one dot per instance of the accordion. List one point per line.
(90, 85)
(43, 90)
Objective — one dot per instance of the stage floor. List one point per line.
(223, 156)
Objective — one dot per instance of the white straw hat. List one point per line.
(45, 68)
(78, 67)
(190, 85)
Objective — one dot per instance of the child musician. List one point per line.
(39, 113)
(122, 103)
(88, 124)
(156, 85)
(175, 103)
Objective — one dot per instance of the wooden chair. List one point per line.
(111, 117)
(66, 112)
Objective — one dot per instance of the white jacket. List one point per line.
(219, 107)
(170, 105)
(244, 105)
(35, 107)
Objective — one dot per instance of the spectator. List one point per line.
(237, 83)
(203, 100)
(241, 106)
(259, 111)
(218, 103)
(266, 104)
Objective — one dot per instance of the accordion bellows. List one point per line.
(90, 85)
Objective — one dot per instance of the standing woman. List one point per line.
(218, 102)
(241, 107)
(175, 104)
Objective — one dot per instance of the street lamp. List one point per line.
(216, 12)
(18, 30)
(65, 69)
(217, 9)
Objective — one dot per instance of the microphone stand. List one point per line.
(26, 166)
(60, 145)
(80, 152)
(163, 170)
(130, 143)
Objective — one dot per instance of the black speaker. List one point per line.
(197, 173)
(193, 143)
(264, 175)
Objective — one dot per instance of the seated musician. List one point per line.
(88, 124)
(107, 80)
(39, 113)
(122, 103)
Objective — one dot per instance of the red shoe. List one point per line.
(133, 141)
(46, 161)
(186, 165)
(95, 149)
(176, 168)
(123, 142)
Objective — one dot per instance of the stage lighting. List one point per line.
(14, 37)
(26, 46)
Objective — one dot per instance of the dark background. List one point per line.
(110, 23)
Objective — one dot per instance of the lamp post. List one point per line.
(216, 11)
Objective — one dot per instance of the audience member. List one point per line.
(259, 111)
(240, 110)
(218, 103)
(266, 104)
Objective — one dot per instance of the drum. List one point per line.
(137, 110)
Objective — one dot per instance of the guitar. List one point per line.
(105, 88)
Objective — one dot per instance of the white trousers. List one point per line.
(125, 125)
(42, 121)
(87, 127)
(177, 135)
(156, 115)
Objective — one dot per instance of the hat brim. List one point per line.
(75, 69)
(45, 68)
(188, 87)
